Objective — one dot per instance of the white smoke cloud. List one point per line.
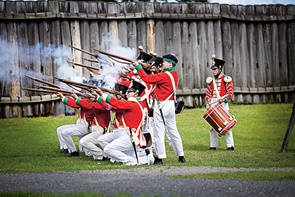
(109, 68)
(59, 56)
(112, 67)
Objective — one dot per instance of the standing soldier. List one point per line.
(164, 111)
(219, 90)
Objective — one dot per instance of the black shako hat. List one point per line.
(145, 57)
(136, 87)
(156, 61)
(170, 58)
(217, 63)
(121, 88)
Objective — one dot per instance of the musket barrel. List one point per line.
(63, 91)
(91, 60)
(88, 87)
(115, 56)
(44, 82)
(39, 90)
(83, 65)
(83, 51)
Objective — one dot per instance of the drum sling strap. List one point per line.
(218, 97)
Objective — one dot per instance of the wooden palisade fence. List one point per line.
(256, 41)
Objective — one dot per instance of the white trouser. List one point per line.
(80, 129)
(59, 130)
(82, 149)
(90, 142)
(229, 139)
(107, 138)
(169, 117)
(121, 148)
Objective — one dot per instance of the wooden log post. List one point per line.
(76, 38)
(289, 131)
(15, 70)
(53, 6)
(150, 30)
(113, 26)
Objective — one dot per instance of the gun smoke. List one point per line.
(18, 60)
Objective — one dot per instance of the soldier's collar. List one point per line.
(132, 99)
(173, 68)
(220, 75)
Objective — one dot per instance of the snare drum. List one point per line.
(219, 119)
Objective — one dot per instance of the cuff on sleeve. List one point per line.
(104, 96)
(65, 100)
(138, 67)
(99, 99)
(78, 100)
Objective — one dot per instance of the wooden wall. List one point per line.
(257, 43)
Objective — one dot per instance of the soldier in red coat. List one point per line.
(164, 111)
(117, 124)
(219, 90)
(119, 130)
(80, 129)
(98, 127)
(124, 148)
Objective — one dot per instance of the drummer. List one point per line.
(224, 86)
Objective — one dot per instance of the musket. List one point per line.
(90, 60)
(84, 51)
(89, 87)
(39, 90)
(90, 68)
(133, 145)
(130, 61)
(115, 56)
(125, 76)
(52, 92)
(150, 67)
(64, 91)
(161, 112)
(44, 82)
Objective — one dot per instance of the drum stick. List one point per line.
(216, 101)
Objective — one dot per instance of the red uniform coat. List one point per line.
(132, 114)
(163, 82)
(102, 112)
(85, 113)
(225, 89)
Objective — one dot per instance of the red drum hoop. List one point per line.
(219, 119)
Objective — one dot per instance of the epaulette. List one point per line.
(227, 79)
(209, 80)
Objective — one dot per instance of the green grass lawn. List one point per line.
(31, 144)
